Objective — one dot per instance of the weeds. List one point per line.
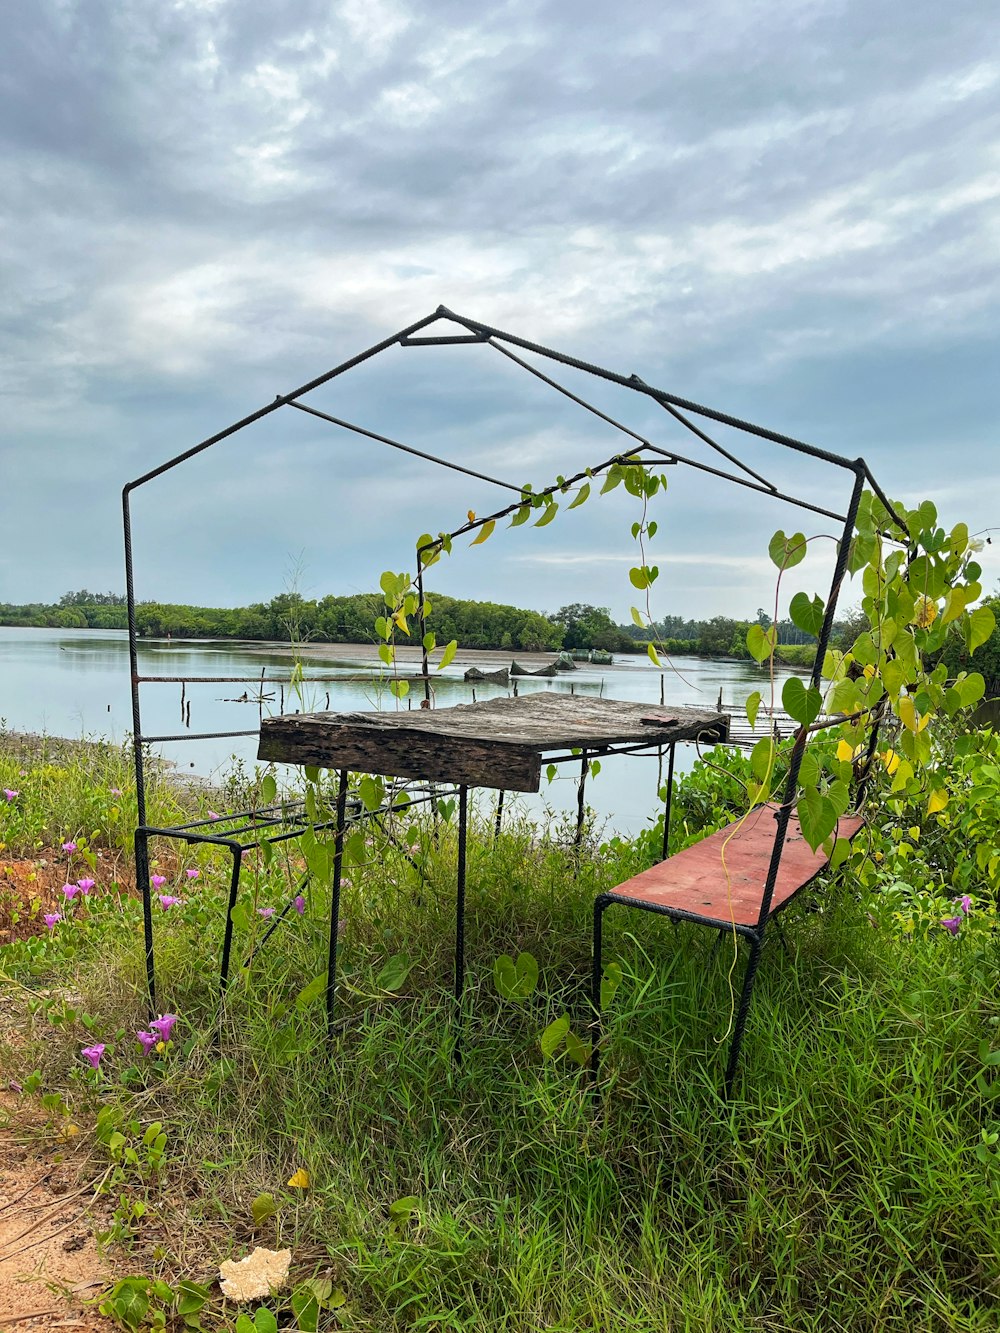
(851, 1185)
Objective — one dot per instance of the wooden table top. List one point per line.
(497, 743)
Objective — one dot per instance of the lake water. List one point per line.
(76, 683)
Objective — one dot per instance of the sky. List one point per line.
(788, 210)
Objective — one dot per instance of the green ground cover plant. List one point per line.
(850, 1185)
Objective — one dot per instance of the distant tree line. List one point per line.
(289, 616)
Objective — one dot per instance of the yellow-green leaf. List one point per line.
(484, 532)
(550, 512)
(582, 495)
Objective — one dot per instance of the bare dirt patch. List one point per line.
(49, 1260)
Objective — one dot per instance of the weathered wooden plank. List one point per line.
(497, 743)
(400, 752)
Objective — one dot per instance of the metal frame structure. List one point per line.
(278, 823)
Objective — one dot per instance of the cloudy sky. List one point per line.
(786, 209)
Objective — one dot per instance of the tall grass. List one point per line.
(841, 1189)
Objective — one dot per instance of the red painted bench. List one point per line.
(722, 882)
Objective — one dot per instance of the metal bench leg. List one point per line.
(601, 903)
(741, 1014)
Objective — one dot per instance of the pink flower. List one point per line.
(299, 904)
(192, 874)
(158, 881)
(85, 885)
(212, 815)
(952, 923)
(115, 791)
(168, 900)
(965, 904)
(147, 1040)
(93, 1054)
(10, 795)
(164, 1025)
(265, 912)
(52, 919)
(70, 891)
(69, 847)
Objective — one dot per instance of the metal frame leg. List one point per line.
(227, 938)
(463, 817)
(741, 1014)
(141, 842)
(338, 865)
(668, 802)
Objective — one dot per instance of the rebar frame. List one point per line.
(288, 820)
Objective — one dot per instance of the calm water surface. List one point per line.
(76, 683)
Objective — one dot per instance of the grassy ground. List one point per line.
(841, 1189)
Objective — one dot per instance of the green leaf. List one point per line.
(807, 613)
(786, 552)
(311, 991)
(637, 617)
(516, 980)
(400, 688)
(553, 1036)
(372, 791)
(577, 1050)
(305, 1308)
(817, 815)
(610, 982)
(550, 512)
(401, 1210)
(522, 516)
(762, 759)
(447, 657)
(264, 1205)
(429, 641)
(354, 848)
(652, 654)
(394, 972)
(753, 706)
(638, 577)
(761, 642)
(612, 479)
(265, 1321)
(268, 789)
(970, 689)
(244, 1324)
(800, 703)
(981, 624)
(485, 532)
(240, 917)
(582, 495)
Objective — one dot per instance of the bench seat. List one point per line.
(693, 883)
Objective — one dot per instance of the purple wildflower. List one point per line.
(85, 885)
(164, 1025)
(93, 1054)
(192, 874)
(115, 791)
(952, 923)
(10, 794)
(70, 891)
(265, 912)
(965, 904)
(169, 900)
(147, 1040)
(213, 815)
(299, 904)
(158, 881)
(69, 847)
(52, 919)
